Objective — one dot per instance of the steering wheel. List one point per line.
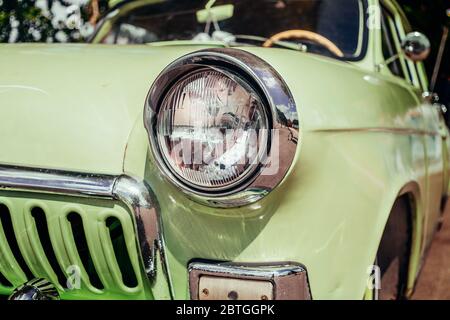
(308, 35)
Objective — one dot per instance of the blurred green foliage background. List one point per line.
(47, 20)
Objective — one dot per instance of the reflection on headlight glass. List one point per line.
(212, 129)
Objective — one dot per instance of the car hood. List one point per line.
(73, 107)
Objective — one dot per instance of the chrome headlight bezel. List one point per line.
(276, 98)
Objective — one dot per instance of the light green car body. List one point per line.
(366, 138)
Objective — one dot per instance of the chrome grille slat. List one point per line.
(36, 249)
(94, 241)
(26, 246)
(105, 241)
(68, 254)
(9, 267)
(11, 244)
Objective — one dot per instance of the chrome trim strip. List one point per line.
(135, 194)
(406, 131)
(280, 107)
(289, 279)
(53, 181)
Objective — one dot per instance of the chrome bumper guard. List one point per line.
(278, 281)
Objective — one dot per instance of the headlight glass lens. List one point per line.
(212, 130)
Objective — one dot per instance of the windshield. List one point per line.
(334, 27)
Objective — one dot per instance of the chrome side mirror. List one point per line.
(416, 46)
(431, 97)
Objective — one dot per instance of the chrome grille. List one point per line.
(90, 242)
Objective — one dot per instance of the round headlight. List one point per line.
(223, 126)
(212, 130)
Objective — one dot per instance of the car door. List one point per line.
(430, 104)
(432, 125)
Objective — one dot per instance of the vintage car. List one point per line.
(227, 149)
